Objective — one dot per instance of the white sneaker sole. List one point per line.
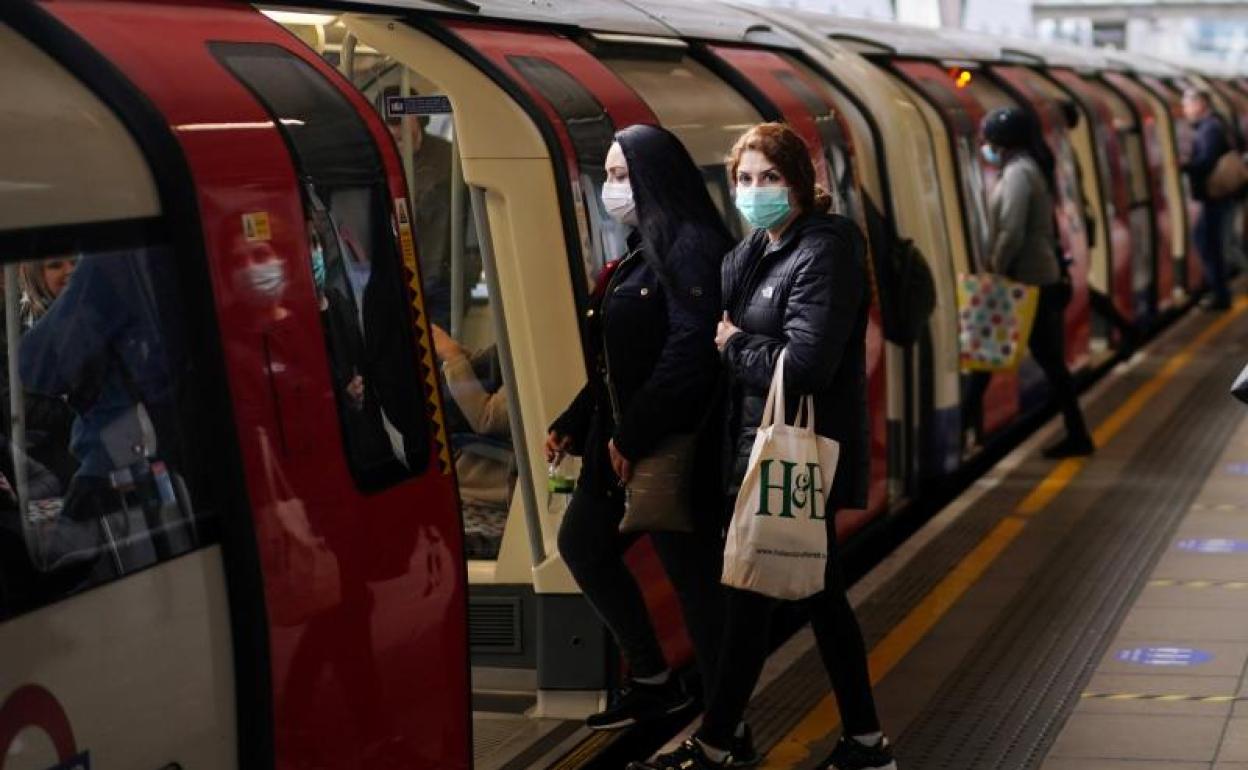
(630, 721)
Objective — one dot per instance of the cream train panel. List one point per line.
(504, 154)
(127, 662)
(42, 161)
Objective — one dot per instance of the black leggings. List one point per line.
(746, 646)
(1048, 347)
(593, 548)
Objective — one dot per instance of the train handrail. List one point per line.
(524, 468)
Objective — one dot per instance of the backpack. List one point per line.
(906, 287)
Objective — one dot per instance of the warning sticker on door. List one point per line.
(404, 106)
(256, 227)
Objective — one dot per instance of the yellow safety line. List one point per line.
(819, 723)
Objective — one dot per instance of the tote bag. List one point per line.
(995, 316)
(778, 539)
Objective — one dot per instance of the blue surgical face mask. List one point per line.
(990, 154)
(764, 207)
(318, 265)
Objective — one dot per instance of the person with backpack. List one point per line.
(1023, 247)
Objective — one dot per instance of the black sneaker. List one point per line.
(849, 754)
(687, 756)
(743, 753)
(1071, 446)
(640, 702)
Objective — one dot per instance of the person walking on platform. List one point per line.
(796, 285)
(1209, 143)
(652, 325)
(1023, 247)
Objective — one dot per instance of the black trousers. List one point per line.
(1048, 347)
(1209, 241)
(745, 651)
(593, 548)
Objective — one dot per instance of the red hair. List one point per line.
(791, 155)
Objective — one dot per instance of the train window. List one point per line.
(106, 469)
(704, 111)
(96, 479)
(456, 295)
(360, 278)
(591, 132)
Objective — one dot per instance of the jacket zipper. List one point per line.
(606, 357)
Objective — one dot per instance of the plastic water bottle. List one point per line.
(558, 489)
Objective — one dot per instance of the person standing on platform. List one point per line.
(1209, 143)
(796, 285)
(1023, 247)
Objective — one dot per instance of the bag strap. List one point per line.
(774, 409)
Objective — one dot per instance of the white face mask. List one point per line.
(267, 278)
(617, 197)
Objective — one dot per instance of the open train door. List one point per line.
(515, 123)
(304, 210)
(962, 114)
(1153, 127)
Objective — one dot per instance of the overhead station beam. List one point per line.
(1109, 10)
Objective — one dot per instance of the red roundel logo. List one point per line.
(33, 706)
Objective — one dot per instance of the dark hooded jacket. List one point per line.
(1210, 141)
(808, 295)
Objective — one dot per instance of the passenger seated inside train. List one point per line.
(477, 418)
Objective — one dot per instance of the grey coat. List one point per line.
(1022, 241)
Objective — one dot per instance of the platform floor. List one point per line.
(1073, 615)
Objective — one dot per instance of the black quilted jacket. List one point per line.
(808, 295)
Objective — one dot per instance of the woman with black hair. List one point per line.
(652, 325)
(1023, 247)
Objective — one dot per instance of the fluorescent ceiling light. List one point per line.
(300, 18)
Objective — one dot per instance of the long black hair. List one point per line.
(670, 195)
(1015, 129)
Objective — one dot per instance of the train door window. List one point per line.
(936, 85)
(106, 469)
(837, 151)
(456, 293)
(360, 280)
(591, 132)
(704, 111)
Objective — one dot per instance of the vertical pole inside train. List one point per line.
(524, 469)
(458, 311)
(17, 408)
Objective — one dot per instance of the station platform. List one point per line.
(1075, 615)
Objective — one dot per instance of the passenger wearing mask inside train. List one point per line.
(652, 321)
(1023, 247)
(1210, 142)
(796, 285)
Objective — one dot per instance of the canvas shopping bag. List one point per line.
(995, 316)
(778, 540)
(305, 579)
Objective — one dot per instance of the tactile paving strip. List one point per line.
(786, 700)
(1004, 706)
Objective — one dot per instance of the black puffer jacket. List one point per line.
(660, 353)
(808, 295)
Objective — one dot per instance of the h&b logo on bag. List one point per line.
(798, 491)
